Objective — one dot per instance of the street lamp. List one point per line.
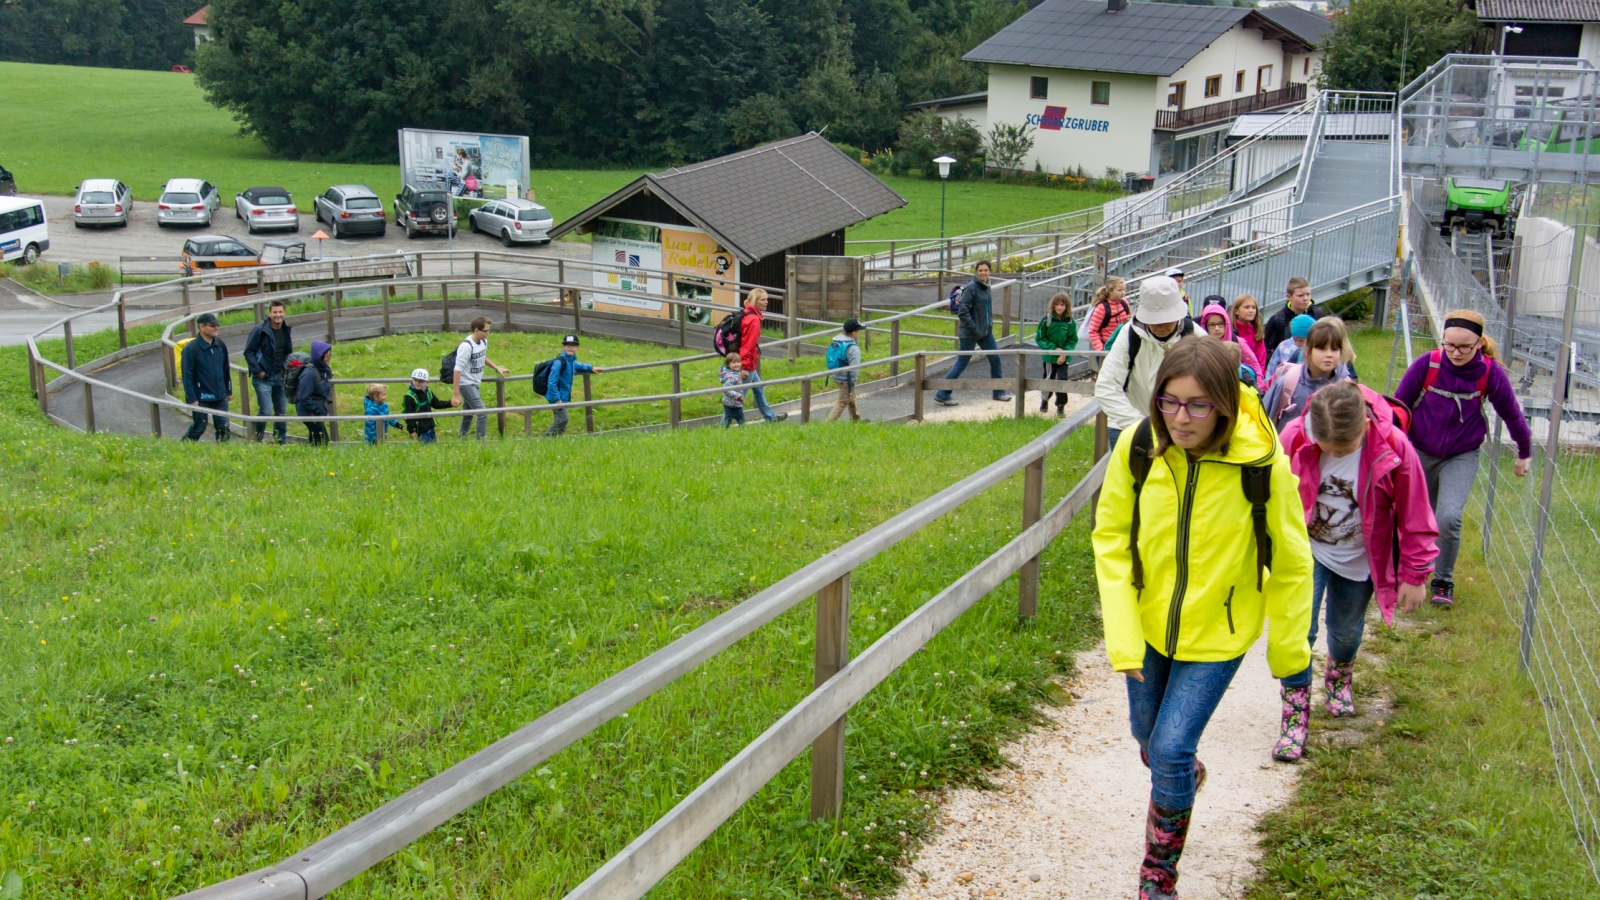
(944, 177)
(1509, 29)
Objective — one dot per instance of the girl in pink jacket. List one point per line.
(1365, 498)
(1219, 324)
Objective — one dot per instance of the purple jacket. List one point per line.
(1439, 429)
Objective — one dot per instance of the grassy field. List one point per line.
(147, 127)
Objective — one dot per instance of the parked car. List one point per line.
(512, 221)
(216, 251)
(8, 185)
(24, 233)
(265, 208)
(102, 201)
(275, 253)
(425, 208)
(351, 209)
(187, 201)
(182, 69)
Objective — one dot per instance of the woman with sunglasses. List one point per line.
(1445, 389)
(1184, 588)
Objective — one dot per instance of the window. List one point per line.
(534, 215)
(1305, 66)
(363, 203)
(18, 219)
(1039, 88)
(1175, 98)
(1100, 93)
(1263, 79)
(1238, 82)
(1214, 86)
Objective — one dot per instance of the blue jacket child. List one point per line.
(376, 403)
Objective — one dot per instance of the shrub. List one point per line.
(1007, 146)
(924, 136)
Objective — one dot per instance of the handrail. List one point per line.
(341, 856)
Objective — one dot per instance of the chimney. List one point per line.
(1116, 5)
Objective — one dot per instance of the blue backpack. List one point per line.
(839, 353)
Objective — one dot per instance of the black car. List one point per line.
(8, 185)
(351, 209)
(425, 209)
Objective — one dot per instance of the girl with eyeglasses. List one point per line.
(1189, 575)
(1445, 389)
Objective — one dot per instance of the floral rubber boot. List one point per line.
(1296, 721)
(1165, 832)
(1338, 682)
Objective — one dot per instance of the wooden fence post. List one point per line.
(333, 410)
(527, 423)
(1005, 314)
(675, 405)
(88, 407)
(1032, 504)
(155, 419)
(917, 386)
(477, 269)
(338, 294)
(419, 275)
(505, 297)
(1101, 448)
(328, 305)
(66, 331)
(244, 392)
(791, 324)
(500, 400)
(444, 303)
(1022, 384)
(894, 347)
(384, 297)
(122, 324)
(832, 652)
(588, 411)
(805, 401)
(577, 316)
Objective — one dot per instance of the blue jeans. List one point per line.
(732, 415)
(964, 344)
(427, 437)
(219, 422)
(271, 401)
(1169, 710)
(760, 395)
(1347, 617)
(1111, 437)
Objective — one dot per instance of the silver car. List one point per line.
(351, 209)
(187, 201)
(513, 221)
(264, 208)
(102, 201)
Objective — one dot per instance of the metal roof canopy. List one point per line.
(1141, 39)
(1539, 11)
(1345, 125)
(762, 201)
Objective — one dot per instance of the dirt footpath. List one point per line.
(1069, 822)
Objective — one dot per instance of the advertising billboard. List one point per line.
(633, 255)
(482, 166)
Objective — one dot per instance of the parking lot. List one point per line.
(143, 238)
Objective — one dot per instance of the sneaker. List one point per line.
(1293, 727)
(1444, 593)
(945, 402)
(1338, 683)
(780, 417)
(1004, 398)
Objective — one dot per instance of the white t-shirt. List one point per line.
(1335, 526)
(470, 358)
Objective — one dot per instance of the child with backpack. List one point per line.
(1291, 348)
(1328, 356)
(844, 352)
(419, 398)
(732, 375)
(1445, 390)
(1199, 541)
(1109, 311)
(1372, 534)
(376, 403)
(1217, 323)
(314, 391)
(1246, 315)
(1057, 331)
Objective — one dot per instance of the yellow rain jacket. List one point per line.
(1197, 545)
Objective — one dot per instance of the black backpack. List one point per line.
(541, 377)
(1256, 481)
(447, 368)
(1184, 327)
(727, 337)
(292, 367)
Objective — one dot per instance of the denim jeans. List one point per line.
(1346, 602)
(1111, 437)
(219, 422)
(760, 395)
(1449, 483)
(427, 437)
(472, 399)
(732, 415)
(1169, 710)
(965, 344)
(271, 401)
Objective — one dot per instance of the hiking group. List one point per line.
(1285, 497)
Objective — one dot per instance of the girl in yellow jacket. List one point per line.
(1191, 565)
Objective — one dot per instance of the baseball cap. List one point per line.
(1160, 301)
(419, 374)
(570, 340)
(1173, 272)
(206, 319)
(851, 326)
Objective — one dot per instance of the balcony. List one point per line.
(1179, 119)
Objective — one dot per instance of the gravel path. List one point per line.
(1069, 820)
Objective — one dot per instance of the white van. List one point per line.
(24, 234)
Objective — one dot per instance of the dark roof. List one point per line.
(1142, 39)
(957, 100)
(1303, 24)
(760, 201)
(1539, 10)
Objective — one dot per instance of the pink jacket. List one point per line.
(1247, 354)
(1249, 335)
(1394, 497)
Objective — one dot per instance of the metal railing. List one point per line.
(951, 252)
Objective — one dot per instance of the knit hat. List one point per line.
(419, 374)
(1300, 325)
(319, 349)
(1160, 301)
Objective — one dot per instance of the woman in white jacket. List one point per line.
(1129, 372)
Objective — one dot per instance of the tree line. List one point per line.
(122, 34)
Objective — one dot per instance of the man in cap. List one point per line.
(1128, 375)
(559, 388)
(205, 378)
(843, 353)
(1176, 274)
(419, 398)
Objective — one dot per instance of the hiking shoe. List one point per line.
(1444, 593)
(779, 417)
(1294, 725)
(1338, 683)
(1003, 398)
(945, 402)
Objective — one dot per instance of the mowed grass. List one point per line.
(72, 123)
(221, 654)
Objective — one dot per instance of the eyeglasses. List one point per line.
(1460, 348)
(1198, 409)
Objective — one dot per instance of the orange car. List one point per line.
(216, 251)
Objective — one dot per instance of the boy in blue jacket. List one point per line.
(564, 367)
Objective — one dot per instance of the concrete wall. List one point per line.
(1238, 49)
(1589, 44)
(1095, 137)
(976, 113)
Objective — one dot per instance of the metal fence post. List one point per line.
(675, 405)
(832, 653)
(1507, 339)
(588, 411)
(1032, 504)
(894, 347)
(88, 407)
(1560, 383)
(917, 386)
(500, 401)
(805, 401)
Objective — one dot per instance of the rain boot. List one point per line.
(1296, 719)
(1338, 682)
(1165, 831)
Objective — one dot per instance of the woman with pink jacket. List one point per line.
(1372, 534)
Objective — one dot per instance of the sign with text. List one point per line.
(626, 255)
(480, 166)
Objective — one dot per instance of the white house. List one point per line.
(1569, 28)
(202, 29)
(1146, 87)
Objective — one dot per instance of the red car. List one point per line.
(184, 69)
